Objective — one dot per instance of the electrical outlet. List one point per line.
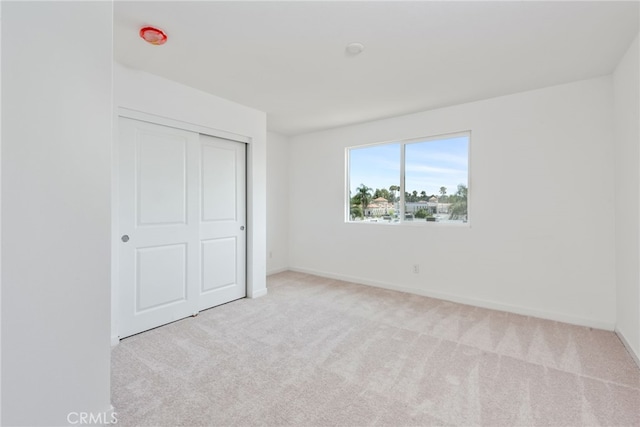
(416, 269)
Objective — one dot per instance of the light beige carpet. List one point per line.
(316, 351)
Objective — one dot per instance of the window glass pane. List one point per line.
(436, 179)
(374, 183)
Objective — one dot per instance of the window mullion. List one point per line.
(402, 190)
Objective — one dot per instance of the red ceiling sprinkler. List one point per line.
(153, 35)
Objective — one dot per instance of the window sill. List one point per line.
(387, 223)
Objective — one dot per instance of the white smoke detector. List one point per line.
(354, 49)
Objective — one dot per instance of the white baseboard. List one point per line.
(258, 294)
(631, 351)
(276, 271)
(492, 305)
(115, 340)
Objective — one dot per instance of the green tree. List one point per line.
(462, 191)
(363, 197)
(392, 193)
(443, 192)
(381, 192)
(355, 211)
(458, 208)
(423, 195)
(423, 213)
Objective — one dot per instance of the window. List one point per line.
(420, 180)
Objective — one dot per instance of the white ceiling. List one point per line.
(288, 58)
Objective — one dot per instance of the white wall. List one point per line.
(541, 239)
(626, 90)
(0, 216)
(277, 202)
(56, 166)
(140, 91)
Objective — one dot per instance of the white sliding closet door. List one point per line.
(178, 207)
(222, 222)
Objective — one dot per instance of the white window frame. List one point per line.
(401, 204)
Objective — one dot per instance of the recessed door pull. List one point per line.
(125, 238)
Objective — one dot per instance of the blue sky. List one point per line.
(429, 165)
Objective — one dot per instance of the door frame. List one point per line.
(115, 197)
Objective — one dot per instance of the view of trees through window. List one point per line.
(431, 184)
